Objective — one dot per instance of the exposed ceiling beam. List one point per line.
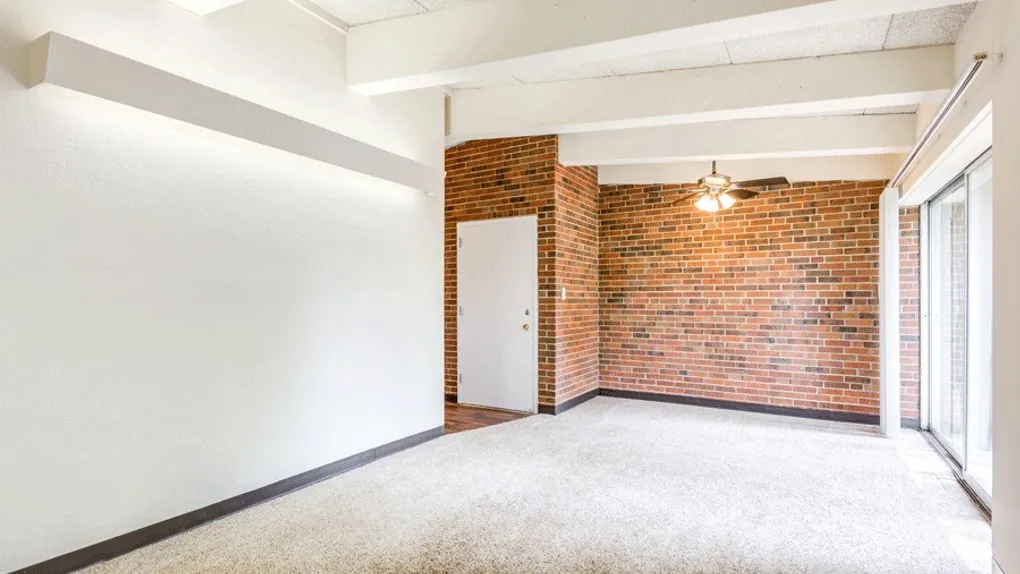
(812, 86)
(868, 167)
(62, 62)
(321, 14)
(502, 37)
(744, 139)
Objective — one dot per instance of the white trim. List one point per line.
(958, 91)
(962, 454)
(889, 310)
(64, 62)
(924, 391)
(973, 141)
(491, 219)
(996, 569)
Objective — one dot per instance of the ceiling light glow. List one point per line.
(708, 203)
(203, 7)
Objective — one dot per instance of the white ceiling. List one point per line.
(928, 27)
(866, 38)
(356, 12)
(938, 26)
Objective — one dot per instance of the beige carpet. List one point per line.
(613, 486)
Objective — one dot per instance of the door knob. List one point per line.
(525, 327)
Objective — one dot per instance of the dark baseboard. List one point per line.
(567, 405)
(125, 543)
(748, 407)
(819, 414)
(451, 397)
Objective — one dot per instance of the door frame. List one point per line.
(959, 458)
(957, 461)
(534, 302)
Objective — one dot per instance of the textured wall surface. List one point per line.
(910, 313)
(184, 316)
(520, 176)
(577, 259)
(771, 302)
(1005, 14)
(505, 178)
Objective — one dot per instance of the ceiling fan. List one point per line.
(719, 191)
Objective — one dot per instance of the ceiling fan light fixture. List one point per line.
(708, 203)
(716, 180)
(718, 191)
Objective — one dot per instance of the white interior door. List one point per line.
(497, 314)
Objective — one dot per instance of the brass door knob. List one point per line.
(525, 327)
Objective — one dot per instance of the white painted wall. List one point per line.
(994, 27)
(889, 309)
(185, 316)
(1005, 304)
(266, 51)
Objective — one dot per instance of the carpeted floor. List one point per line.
(613, 486)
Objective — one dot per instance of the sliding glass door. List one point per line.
(979, 326)
(960, 314)
(948, 241)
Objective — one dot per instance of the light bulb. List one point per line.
(726, 200)
(708, 203)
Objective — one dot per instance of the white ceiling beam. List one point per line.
(62, 62)
(503, 37)
(869, 167)
(321, 14)
(744, 139)
(811, 86)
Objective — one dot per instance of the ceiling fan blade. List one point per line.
(763, 182)
(739, 193)
(687, 196)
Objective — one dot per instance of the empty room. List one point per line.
(444, 286)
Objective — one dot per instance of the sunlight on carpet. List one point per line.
(613, 486)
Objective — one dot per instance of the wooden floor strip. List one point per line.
(460, 418)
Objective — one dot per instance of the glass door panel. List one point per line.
(979, 331)
(948, 268)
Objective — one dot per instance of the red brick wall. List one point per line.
(910, 312)
(505, 178)
(577, 269)
(520, 176)
(772, 302)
